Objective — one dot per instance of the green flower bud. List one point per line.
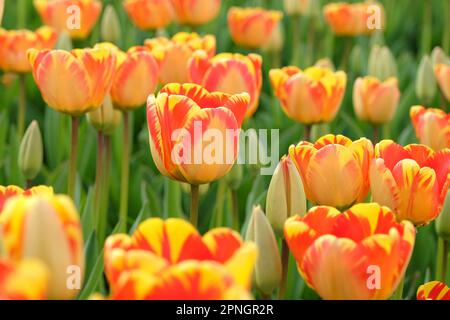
(110, 26)
(31, 153)
(443, 220)
(286, 196)
(234, 177)
(438, 56)
(268, 264)
(382, 63)
(105, 118)
(64, 41)
(426, 85)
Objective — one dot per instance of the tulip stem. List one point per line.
(307, 132)
(194, 204)
(398, 294)
(296, 50)
(73, 158)
(22, 105)
(235, 205)
(442, 258)
(376, 133)
(311, 37)
(124, 181)
(426, 28)
(105, 187)
(446, 35)
(285, 268)
(98, 184)
(348, 45)
(29, 184)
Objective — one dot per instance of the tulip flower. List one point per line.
(310, 96)
(382, 64)
(150, 14)
(11, 191)
(443, 77)
(334, 170)
(229, 73)
(432, 127)
(252, 27)
(433, 290)
(77, 17)
(361, 253)
(46, 228)
(426, 85)
(438, 56)
(177, 242)
(412, 180)
(110, 25)
(173, 54)
(196, 12)
(25, 280)
(375, 101)
(31, 152)
(353, 19)
(84, 77)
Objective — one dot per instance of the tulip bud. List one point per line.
(105, 119)
(301, 7)
(268, 263)
(443, 220)
(382, 63)
(325, 63)
(110, 26)
(438, 56)
(234, 178)
(276, 40)
(426, 85)
(31, 152)
(46, 228)
(286, 195)
(64, 42)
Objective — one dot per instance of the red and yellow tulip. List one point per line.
(14, 45)
(412, 180)
(73, 82)
(443, 77)
(310, 96)
(135, 78)
(160, 250)
(334, 170)
(252, 27)
(46, 228)
(352, 19)
(181, 120)
(361, 253)
(433, 290)
(432, 127)
(25, 280)
(149, 14)
(8, 192)
(375, 101)
(229, 73)
(76, 17)
(196, 12)
(173, 54)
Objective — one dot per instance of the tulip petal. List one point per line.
(433, 290)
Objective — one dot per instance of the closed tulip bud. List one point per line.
(234, 178)
(110, 27)
(64, 42)
(46, 228)
(105, 119)
(31, 152)
(443, 221)
(286, 195)
(442, 72)
(438, 56)
(426, 85)
(268, 263)
(382, 63)
(276, 40)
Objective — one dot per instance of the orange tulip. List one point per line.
(149, 14)
(73, 82)
(252, 27)
(334, 170)
(196, 12)
(361, 253)
(432, 127)
(14, 45)
(433, 290)
(311, 96)
(45, 227)
(443, 77)
(229, 73)
(76, 17)
(346, 19)
(136, 76)
(173, 54)
(26, 280)
(412, 180)
(217, 257)
(194, 133)
(11, 191)
(375, 101)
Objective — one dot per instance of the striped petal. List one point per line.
(433, 290)
(383, 185)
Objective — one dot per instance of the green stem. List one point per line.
(376, 134)
(73, 158)
(442, 258)
(398, 294)
(194, 204)
(348, 45)
(285, 268)
(446, 35)
(22, 105)
(235, 205)
(311, 39)
(125, 174)
(99, 184)
(219, 206)
(296, 44)
(307, 132)
(22, 14)
(105, 188)
(426, 39)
